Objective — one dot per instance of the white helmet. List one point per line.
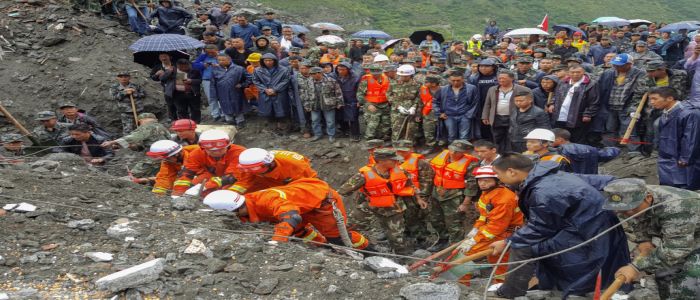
(224, 199)
(406, 70)
(477, 37)
(214, 139)
(380, 58)
(163, 149)
(254, 159)
(541, 134)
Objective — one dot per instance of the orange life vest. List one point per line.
(425, 60)
(382, 192)
(411, 166)
(376, 91)
(451, 175)
(427, 98)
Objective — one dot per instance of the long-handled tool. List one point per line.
(637, 115)
(138, 9)
(133, 109)
(19, 126)
(424, 261)
(439, 269)
(619, 281)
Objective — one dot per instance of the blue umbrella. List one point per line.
(675, 27)
(165, 43)
(366, 34)
(570, 29)
(611, 21)
(297, 28)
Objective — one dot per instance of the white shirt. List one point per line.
(503, 105)
(564, 110)
(285, 44)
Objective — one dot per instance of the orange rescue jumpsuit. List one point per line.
(289, 166)
(499, 216)
(169, 170)
(303, 209)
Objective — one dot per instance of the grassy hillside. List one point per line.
(463, 18)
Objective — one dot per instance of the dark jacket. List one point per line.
(463, 104)
(489, 111)
(540, 96)
(262, 49)
(679, 140)
(584, 159)
(96, 151)
(565, 52)
(563, 211)
(275, 25)
(597, 53)
(168, 79)
(584, 102)
(238, 57)
(227, 88)
(521, 123)
(246, 33)
(86, 119)
(170, 19)
(279, 79)
(348, 86)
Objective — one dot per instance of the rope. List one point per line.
(493, 271)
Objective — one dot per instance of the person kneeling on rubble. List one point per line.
(562, 212)
(171, 156)
(307, 208)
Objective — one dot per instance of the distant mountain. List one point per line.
(464, 18)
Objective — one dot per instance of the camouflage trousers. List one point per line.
(392, 222)
(684, 284)
(378, 122)
(128, 124)
(444, 215)
(399, 131)
(145, 168)
(416, 221)
(361, 216)
(430, 129)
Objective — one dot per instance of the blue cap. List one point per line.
(621, 59)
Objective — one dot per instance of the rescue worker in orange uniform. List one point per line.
(185, 132)
(216, 162)
(422, 174)
(430, 120)
(172, 155)
(273, 168)
(371, 96)
(538, 142)
(334, 56)
(387, 188)
(303, 208)
(453, 192)
(499, 216)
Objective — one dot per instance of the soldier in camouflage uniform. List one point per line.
(321, 96)
(436, 72)
(122, 92)
(668, 236)
(390, 71)
(12, 146)
(50, 132)
(384, 198)
(377, 111)
(422, 175)
(148, 132)
(524, 74)
(430, 120)
(455, 187)
(362, 215)
(642, 55)
(404, 97)
(314, 55)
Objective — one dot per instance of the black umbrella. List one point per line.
(419, 36)
(150, 58)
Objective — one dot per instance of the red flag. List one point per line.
(596, 292)
(545, 23)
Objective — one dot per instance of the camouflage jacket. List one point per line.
(676, 225)
(531, 75)
(641, 59)
(677, 79)
(362, 93)
(357, 182)
(116, 91)
(322, 95)
(405, 94)
(426, 174)
(471, 188)
(50, 138)
(144, 136)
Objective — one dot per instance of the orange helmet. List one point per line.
(484, 172)
(183, 124)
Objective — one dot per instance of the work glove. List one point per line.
(212, 184)
(282, 232)
(402, 110)
(472, 233)
(466, 245)
(412, 110)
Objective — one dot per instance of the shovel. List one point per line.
(459, 261)
(424, 261)
(619, 281)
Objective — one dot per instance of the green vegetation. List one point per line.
(463, 18)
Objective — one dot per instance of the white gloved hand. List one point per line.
(412, 110)
(632, 115)
(402, 110)
(472, 233)
(466, 245)
(194, 190)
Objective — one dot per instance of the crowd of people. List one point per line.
(494, 142)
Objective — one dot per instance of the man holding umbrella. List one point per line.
(433, 44)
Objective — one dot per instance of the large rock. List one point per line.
(83, 224)
(430, 291)
(384, 267)
(122, 230)
(266, 286)
(132, 277)
(184, 203)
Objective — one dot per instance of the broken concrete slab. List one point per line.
(99, 256)
(128, 278)
(19, 207)
(430, 291)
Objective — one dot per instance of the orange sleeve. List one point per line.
(499, 218)
(165, 177)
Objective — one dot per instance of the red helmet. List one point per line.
(484, 172)
(183, 124)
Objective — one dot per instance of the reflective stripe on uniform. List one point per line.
(359, 243)
(182, 182)
(481, 205)
(310, 236)
(488, 234)
(159, 190)
(482, 218)
(282, 194)
(517, 209)
(237, 188)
